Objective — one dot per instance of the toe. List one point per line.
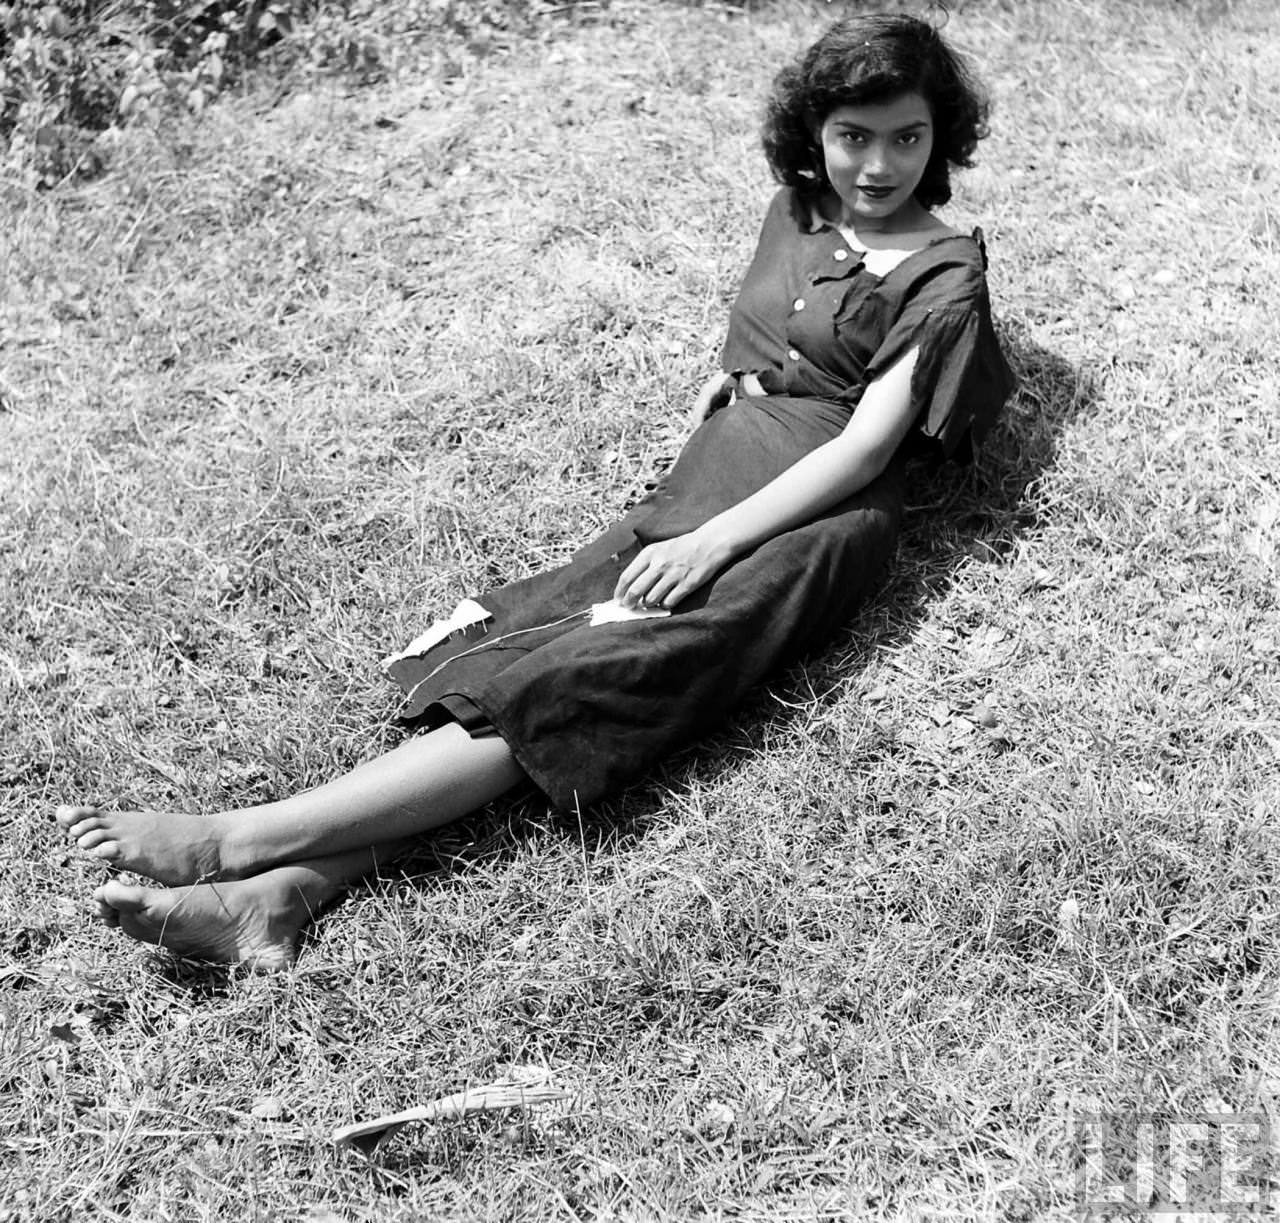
(103, 910)
(271, 959)
(68, 817)
(120, 897)
(93, 837)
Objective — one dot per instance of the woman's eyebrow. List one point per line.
(850, 126)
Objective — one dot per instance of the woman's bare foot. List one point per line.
(252, 921)
(168, 847)
(425, 782)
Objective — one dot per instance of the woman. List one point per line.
(862, 333)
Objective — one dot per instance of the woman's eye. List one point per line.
(909, 138)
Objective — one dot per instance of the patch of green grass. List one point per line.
(292, 377)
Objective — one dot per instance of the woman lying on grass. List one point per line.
(861, 334)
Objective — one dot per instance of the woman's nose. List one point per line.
(875, 162)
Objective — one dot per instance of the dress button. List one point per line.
(793, 354)
(798, 304)
(840, 256)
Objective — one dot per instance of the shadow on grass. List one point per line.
(957, 517)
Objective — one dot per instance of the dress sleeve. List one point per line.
(961, 379)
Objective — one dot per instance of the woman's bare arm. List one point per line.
(666, 572)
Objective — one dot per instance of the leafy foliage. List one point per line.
(77, 68)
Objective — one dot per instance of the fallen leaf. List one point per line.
(715, 1120)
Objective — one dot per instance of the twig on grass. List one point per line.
(492, 1097)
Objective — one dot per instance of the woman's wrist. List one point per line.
(715, 540)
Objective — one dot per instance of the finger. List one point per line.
(622, 593)
(681, 591)
(638, 596)
(638, 565)
(637, 593)
(661, 589)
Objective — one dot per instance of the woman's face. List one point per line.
(875, 156)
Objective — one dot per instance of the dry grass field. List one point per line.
(295, 375)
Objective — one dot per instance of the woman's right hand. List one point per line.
(714, 395)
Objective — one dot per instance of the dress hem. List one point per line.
(439, 712)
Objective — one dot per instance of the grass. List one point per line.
(293, 376)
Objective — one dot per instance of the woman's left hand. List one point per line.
(664, 573)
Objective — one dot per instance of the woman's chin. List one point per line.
(892, 213)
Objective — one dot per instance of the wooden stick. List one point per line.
(366, 1135)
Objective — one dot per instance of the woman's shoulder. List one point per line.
(925, 232)
(952, 264)
(790, 206)
(947, 241)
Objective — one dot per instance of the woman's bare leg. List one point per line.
(253, 921)
(427, 781)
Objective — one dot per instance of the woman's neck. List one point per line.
(911, 227)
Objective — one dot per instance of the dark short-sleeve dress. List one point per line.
(587, 708)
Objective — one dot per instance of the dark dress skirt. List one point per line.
(588, 708)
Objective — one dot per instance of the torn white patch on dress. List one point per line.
(467, 613)
(614, 612)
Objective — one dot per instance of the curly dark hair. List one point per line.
(870, 59)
